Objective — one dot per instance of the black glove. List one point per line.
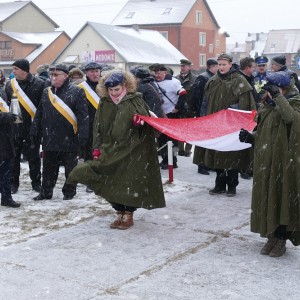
(246, 137)
(9, 117)
(272, 89)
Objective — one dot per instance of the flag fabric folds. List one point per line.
(218, 131)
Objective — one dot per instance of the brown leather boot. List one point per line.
(279, 249)
(127, 221)
(117, 222)
(267, 248)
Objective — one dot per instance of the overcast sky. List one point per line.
(237, 17)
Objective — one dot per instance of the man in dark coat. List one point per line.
(28, 89)
(149, 91)
(62, 121)
(187, 79)
(6, 151)
(227, 89)
(200, 101)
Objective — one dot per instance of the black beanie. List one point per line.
(279, 60)
(23, 64)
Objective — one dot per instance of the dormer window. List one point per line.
(130, 15)
(167, 11)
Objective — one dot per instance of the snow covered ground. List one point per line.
(198, 247)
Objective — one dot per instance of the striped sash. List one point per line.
(23, 98)
(90, 94)
(3, 106)
(63, 109)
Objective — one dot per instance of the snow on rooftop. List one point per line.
(8, 8)
(133, 45)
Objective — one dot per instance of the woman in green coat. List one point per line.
(276, 179)
(125, 169)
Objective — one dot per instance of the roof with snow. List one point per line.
(259, 42)
(138, 45)
(42, 41)
(150, 12)
(283, 41)
(8, 9)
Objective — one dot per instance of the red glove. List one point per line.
(96, 153)
(137, 121)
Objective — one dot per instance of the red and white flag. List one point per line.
(218, 131)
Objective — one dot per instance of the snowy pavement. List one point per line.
(198, 247)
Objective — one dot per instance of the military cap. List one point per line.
(225, 56)
(59, 67)
(114, 79)
(261, 60)
(185, 62)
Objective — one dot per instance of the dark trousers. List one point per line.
(32, 153)
(5, 170)
(121, 207)
(51, 162)
(227, 177)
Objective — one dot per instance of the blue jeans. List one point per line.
(5, 171)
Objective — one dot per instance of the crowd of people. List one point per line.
(76, 112)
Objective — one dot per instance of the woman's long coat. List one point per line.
(276, 172)
(230, 90)
(127, 172)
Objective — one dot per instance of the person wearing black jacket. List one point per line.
(33, 88)
(6, 152)
(63, 122)
(200, 102)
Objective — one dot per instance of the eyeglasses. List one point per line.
(260, 66)
(55, 74)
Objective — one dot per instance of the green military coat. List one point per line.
(225, 91)
(127, 172)
(276, 169)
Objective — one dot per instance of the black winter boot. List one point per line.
(10, 203)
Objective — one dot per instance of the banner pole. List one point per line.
(170, 160)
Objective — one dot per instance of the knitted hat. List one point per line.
(279, 60)
(281, 78)
(22, 64)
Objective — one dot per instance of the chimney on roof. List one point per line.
(257, 36)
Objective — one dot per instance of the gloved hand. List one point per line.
(246, 137)
(9, 117)
(96, 153)
(272, 89)
(137, 121)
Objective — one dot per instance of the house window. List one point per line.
(5, 44)
(167, 11)
(202, 60)
(130, 15)
(202, 38)
(165, 34)
(217, 44)
(211, 48)
(198, 17)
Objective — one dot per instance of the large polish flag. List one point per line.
(218, 131)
